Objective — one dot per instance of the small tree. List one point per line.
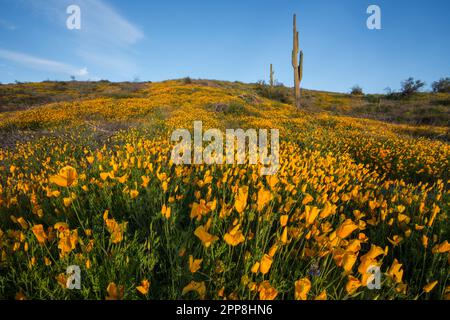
(72, 78)
(442, 85)
(187, 80)
(357, 91)
(411, 86)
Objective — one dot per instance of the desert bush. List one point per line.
(187, 80)
(411, 86)
(278, 92)
(442, 85)
(356, 91)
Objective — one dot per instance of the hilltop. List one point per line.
(420, 109)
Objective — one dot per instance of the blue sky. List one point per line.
(226, 39)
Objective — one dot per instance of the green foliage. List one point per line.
(442, 85)
(411, 86)
(356, 91)
(187, 80)
(278, 92)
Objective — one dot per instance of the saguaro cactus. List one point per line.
(271, 76)
(297, 64)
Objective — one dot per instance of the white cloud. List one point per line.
(106, 40)
(41, 64)
(83, 72)
(104, 22)
(100, 22)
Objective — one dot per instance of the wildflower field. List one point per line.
(89, 182)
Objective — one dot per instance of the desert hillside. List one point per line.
(86, 179)
(419, 109)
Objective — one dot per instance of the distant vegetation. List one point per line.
(21, 96)
(411, 86)
(276, 92)
(408, 106)
(442, 85)
(357, 91)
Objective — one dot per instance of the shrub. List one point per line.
(442, 85)
(411, 86)
(187, 80)
(278, 92)
(357, 91)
